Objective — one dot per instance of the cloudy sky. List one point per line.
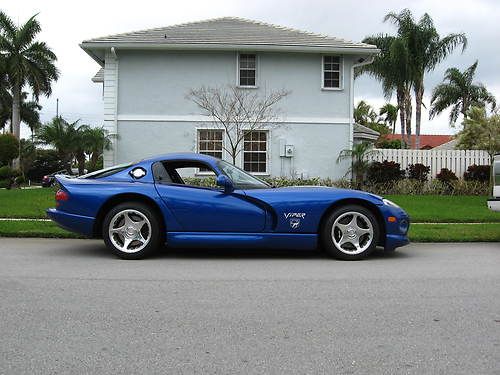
(66, 23)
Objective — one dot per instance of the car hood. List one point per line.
(315, 193)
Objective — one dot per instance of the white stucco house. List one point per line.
(147, 74)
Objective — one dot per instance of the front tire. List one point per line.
(132, 230)
(350, 233)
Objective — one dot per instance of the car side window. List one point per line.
(160, 174)
(184, 173)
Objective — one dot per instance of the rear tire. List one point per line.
(350, 233)
(131, 230)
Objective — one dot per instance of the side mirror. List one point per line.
(225, 182)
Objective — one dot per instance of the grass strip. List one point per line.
(455, 233)
(34, 229)
(418, 233)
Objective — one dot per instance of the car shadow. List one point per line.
(97, 249)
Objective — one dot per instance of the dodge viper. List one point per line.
(138, 207)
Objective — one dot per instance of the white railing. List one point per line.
(455, 160)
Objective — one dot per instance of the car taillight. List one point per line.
(61, 195)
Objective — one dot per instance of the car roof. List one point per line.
(182, 156)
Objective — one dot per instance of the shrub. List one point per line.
(46, 162)
(431, 187)
(445, 175)
(386, 143)
(386, 171)
(418, 172)
(20, 180)
(6, 172)
(477, 173)
(9, 148)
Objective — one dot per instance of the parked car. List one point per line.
(49, 180)
(494, 201)
(138, 207)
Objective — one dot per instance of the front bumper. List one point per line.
(396, 232)
(72, 222)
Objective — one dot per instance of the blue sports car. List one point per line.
(138, 207)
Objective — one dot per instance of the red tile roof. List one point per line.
(426, 140)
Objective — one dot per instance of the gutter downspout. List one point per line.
(115, 130)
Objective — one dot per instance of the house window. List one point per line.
(255, 152)
(247, 69)
(210, 143)
(332, 76)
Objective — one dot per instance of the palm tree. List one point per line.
(364, 113)
(426, 50)
(391, 115)
(459, 92)
(359, 156)
(63, 136)
(391, 67)
(96, 140)
(27, 62)
(29, 112)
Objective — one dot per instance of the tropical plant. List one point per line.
(9, 148)
(426, 50)
(64, 137)
(446, 176)
(392, 68)
(389, 113)
(481, 132)
(459, 91)
(95, 140)
(389, 143)
(477, 173)
(27, 62)
(30, 112)
(364, 113)
(418, 172)
(360, 161)
(383, 172)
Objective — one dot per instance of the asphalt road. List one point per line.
(67, 306)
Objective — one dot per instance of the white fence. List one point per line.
(455, 160)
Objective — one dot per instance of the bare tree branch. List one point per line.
(238, 111)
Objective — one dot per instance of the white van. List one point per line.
(494, 201)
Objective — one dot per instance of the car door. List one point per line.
(205, 209)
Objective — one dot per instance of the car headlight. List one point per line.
(387, 202)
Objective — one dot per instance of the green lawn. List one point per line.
(32, 203)
(446, 208)
(27, 203)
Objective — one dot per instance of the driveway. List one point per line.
(67, 306)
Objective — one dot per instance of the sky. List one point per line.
(66, 23)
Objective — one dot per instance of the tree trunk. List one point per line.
(419, 93)
(401, 116)
(16, 118)
(408, 111)
(80, 159)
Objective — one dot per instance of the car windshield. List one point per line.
(240, 178)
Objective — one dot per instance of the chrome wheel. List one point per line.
(129, 231)
(352, 233)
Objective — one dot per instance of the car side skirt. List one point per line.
(297, 241)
